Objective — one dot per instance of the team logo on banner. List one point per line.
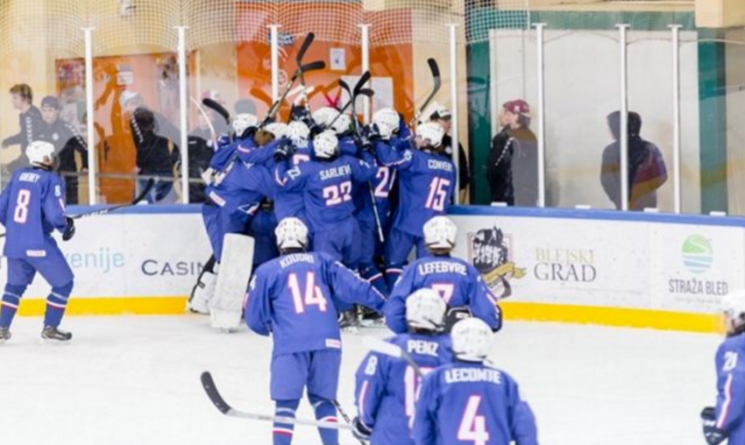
(490, 253)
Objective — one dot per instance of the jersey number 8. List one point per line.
(21, 213)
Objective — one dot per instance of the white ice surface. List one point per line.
(135, 381)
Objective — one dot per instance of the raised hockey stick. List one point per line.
(353, 99)
(299, 60)
(217, 107)
(274, 109)
(395, 351)
(209, 387)
(437, 80)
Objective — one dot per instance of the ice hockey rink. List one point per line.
(135, 380)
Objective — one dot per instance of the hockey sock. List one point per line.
(392, 274)
(282, 432)
(11, 300)
(56, 304)
(325, 412)
(375, 277)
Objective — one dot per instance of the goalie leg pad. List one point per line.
(203, 292)
(232, 282)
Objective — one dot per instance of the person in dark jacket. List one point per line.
(443, 117)
(29, 121)
(67, 141)
(156, 155)
(512, 166)
(646, 167)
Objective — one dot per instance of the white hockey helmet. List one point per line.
(298, 133)
(326, 145)
(244, 121)
(278, 129)
(430, 134)
(471, 339)
(440, 233)
(40, 153)
(425, 309)
(291, 233)
(733, 310)
(387, 120)
(324, 115)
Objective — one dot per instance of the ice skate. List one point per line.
(51, 334)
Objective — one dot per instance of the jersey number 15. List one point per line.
(438, 194)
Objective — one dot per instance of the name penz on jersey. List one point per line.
(422, 347)
(442, 267)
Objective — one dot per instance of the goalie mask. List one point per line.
(387, 120)
(244, 121)
(291, 234)
(426, 310)
(326, 145)
(440, 233)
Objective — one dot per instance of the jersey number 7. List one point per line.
(311, 295)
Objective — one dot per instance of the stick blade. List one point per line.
(209, 387)
(345, 86)
(383, 347)
(434, 68)
(364, 78)
(313, 66)
(368, 92)
(304, 47)
(217, 107)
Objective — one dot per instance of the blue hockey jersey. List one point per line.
(730, 409)
(426, 184)
(31, 207)
(290, 203)
(457, 282)
(294, 297)
(387, 387)
(470, 403)
(227, 150)
(328, 187)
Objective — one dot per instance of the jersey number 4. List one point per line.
(21, 213)
(310, 296)
(472, 426)
(438, 194)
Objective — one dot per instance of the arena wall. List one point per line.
(601, 267)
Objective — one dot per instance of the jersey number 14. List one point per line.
(310, 296)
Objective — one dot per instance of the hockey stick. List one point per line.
(395, 351)
(206, 117)
(217, 107)
(274, 109)
(346, 418)
(353, 95)
(216, 398)
(435, 89)
(299, 60)
(137, 200)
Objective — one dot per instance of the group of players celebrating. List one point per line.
(316, 196)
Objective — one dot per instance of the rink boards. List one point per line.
(602, 267)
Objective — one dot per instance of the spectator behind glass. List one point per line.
(444, 118)
(647, 171)
(156, 155)
(512, 166)
(67, 141)
(29, 122)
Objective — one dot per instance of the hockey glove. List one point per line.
(713, 435)
(248, 132)
(360, 430)
(363, 143)
(373, 133)
(223, 141)
(69, 230)
(284, 151)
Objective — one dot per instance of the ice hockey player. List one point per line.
(290, 203)
(328, 184)
(31, 207)
(387, 387)
(294, 298)
(387, 121)
(726, 420)
(458, 283)
(426, 180)
(469, 401)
